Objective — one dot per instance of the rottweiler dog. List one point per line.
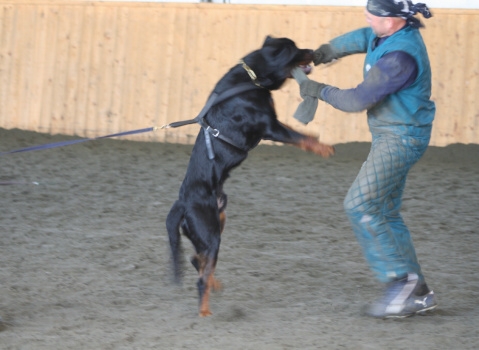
(243, 119)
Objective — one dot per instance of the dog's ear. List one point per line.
(267, 40)
(279, 51)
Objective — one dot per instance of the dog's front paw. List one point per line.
(205, 313)
(313, 145)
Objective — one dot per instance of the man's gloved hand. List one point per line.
(324, 54)
(311, 88)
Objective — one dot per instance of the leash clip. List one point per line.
(213, 132)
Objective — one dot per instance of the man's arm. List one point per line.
(393, 72)
(343, 45)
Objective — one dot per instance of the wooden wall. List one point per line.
(94, 68)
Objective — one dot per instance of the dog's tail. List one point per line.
(173, 222)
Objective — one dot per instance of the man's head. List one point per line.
(388, 16)
(384, 26)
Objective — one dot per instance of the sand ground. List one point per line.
(84, 260)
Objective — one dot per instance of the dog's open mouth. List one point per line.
(306, 68)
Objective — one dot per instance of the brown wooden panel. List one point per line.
(94, 68)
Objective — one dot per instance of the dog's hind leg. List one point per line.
(195, 260)
(206, 282)
(222, 221)
(173, 221)
(203, 224)
(222, 200)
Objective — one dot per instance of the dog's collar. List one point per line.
(250, 72)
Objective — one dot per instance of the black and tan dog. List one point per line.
(242, 115)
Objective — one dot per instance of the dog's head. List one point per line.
(273, 63)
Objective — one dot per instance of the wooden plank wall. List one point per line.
(95, 68)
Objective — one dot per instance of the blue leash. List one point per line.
(213, 100)
(73, 142)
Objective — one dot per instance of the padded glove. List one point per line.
(311, 88)
(307, 108)
(324, 54)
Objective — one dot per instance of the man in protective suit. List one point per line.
(396, 94)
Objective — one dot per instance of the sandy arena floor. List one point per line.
(84, 260)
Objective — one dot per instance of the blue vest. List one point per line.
(406, 112)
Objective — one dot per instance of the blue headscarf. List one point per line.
(399, 8)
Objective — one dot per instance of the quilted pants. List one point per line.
(374, 201)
